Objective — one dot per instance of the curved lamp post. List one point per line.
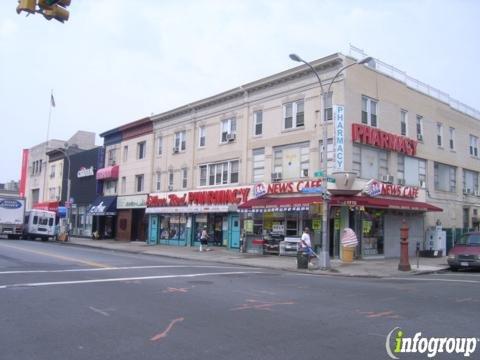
(324, 253)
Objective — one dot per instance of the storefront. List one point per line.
(280, 211)
(376, 216)
(104, 215)
(177, 218)
(132, 223)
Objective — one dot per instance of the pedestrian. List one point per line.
(306, 245)
(204, 239)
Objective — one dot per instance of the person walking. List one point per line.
(306, 245)
(204, 239)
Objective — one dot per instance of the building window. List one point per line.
(328, 107)
(110, 187)
(125, 153)
(403, 123)
(51, 193)
(440, 134)
(473, 146)
(170, 179)
(229, 126)
(159, 145)
(112, 157)
(470, 182)
(258, 165)
(52, 171)
(369, 163)
(141, 147)
(180, 140)
(330, 155)
(411, 170)
(291, 161)
(184, 178)
(445, 177)
(258, 123)
(222, 173)
(158, 181)
(419, 128)
(369, 111)
(452, 138)
(139, 183)
(293, 115)
(123, 185)
(201, 136)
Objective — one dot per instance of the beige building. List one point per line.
(44, 177)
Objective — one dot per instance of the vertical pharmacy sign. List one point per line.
(339, 137)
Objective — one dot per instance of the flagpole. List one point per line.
(45, 198)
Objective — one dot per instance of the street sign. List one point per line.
(320, 175)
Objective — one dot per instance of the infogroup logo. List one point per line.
(397, 343)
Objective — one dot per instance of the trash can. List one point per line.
(302, 260)
(347, 253)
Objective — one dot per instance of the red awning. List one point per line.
(110, 172)
(269, 204)
(383, 203)
(49, 205)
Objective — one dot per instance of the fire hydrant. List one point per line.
(404, 264)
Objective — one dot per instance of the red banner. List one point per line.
(23, 172)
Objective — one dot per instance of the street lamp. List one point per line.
(324, 252)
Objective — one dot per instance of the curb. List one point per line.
(316, 272)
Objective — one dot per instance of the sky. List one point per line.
(117, 61)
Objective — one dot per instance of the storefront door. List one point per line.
(234, 231)
(153, 231)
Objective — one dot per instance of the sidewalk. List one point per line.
(359, 268)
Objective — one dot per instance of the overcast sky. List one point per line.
(116, 61)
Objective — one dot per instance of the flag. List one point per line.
(52, 100)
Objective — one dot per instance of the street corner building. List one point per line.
(248, 164)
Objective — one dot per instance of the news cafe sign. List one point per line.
(289, 187)
(233, 196)
(85, 172)
(376, 188)
(374, 137)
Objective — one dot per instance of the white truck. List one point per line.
(12, 212)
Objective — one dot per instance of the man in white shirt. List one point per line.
(306, 244)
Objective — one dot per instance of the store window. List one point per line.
(445, 177)
(372, 232)
(110, 187)
(258, 165)
(172, 227)
(291, 161)
(369, 163)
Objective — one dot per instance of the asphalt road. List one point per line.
(60, 301)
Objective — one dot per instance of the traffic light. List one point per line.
(54, 9)
(26, 5)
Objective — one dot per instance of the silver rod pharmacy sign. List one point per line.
(84, 172)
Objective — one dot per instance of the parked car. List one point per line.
(466, 252)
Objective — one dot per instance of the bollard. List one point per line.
(404, 264)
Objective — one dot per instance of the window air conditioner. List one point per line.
(276, 176)
(467, 191)
(176, 149)
(401, 181)
(420, 137)
(387, 179)
(231, 137)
